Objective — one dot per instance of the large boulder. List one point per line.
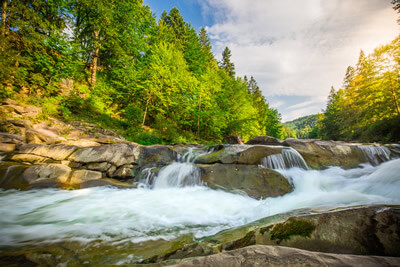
(117, 154)
(373, 230)
(321, 154)
(157, 155)
(56, 173)
(239, 154)
(266, 140)
(256, 182)
(259, 255)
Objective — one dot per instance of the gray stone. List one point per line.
(81, 176)
(260, 255)
(321, 154)
(124, 172)
(239, 154)
(99, 166)
(117, 154)
(11, 138)
(57, 172)
(255, 181)
(156, 155)
(56, 152)
(266, 140)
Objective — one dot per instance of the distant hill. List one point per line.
(301, 127)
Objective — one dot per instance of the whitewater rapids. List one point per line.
(135, 215)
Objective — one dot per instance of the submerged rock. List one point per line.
(252, 180)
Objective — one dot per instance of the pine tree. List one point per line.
(226, 62)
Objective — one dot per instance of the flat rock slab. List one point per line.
(56, 152)
(117, 154)
(260, 255)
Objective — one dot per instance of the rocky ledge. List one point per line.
(368, 230)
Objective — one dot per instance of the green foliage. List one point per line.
(301, 127)
(367, 106)
(292, 227)
(150, 82)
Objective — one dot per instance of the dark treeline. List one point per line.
(112, 62)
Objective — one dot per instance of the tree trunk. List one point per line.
(394, 95)
(95, 58)
(145, 111)
(4, 18)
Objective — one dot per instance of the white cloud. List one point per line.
(296, 47)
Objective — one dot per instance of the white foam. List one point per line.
(144, 214)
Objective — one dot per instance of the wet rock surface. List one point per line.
(260, 255)
(256, 182)
(321, 154)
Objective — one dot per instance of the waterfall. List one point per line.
(180, 173)
(289, 158)
(375, 154)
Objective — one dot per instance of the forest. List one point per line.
(112, 63)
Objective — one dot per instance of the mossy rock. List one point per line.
(292, 227)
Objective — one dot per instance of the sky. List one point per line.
(296, 50)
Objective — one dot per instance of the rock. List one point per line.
(57, 172)
(85, 142)
(56, 152)
(81, 176)
(111, 171)
(371, 230)
(117, 154)
(35, 137)
(106, 182)
(7, 147)
(11, 138)
(23, 158)
(124, 172)
(99, 166)
(322, 154)
(157, 155)
(239, 154)
(31, 111)
(282, 256)
(11, 176)
(255, 181)
(266, 140)
(17, 127)
(8, 101)
(233, 140)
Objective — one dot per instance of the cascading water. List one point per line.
(289, 158)
(180, 173)
(375, 154)
(136, 215)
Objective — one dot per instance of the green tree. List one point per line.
(226, 62)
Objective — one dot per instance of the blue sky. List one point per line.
(296, 50)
